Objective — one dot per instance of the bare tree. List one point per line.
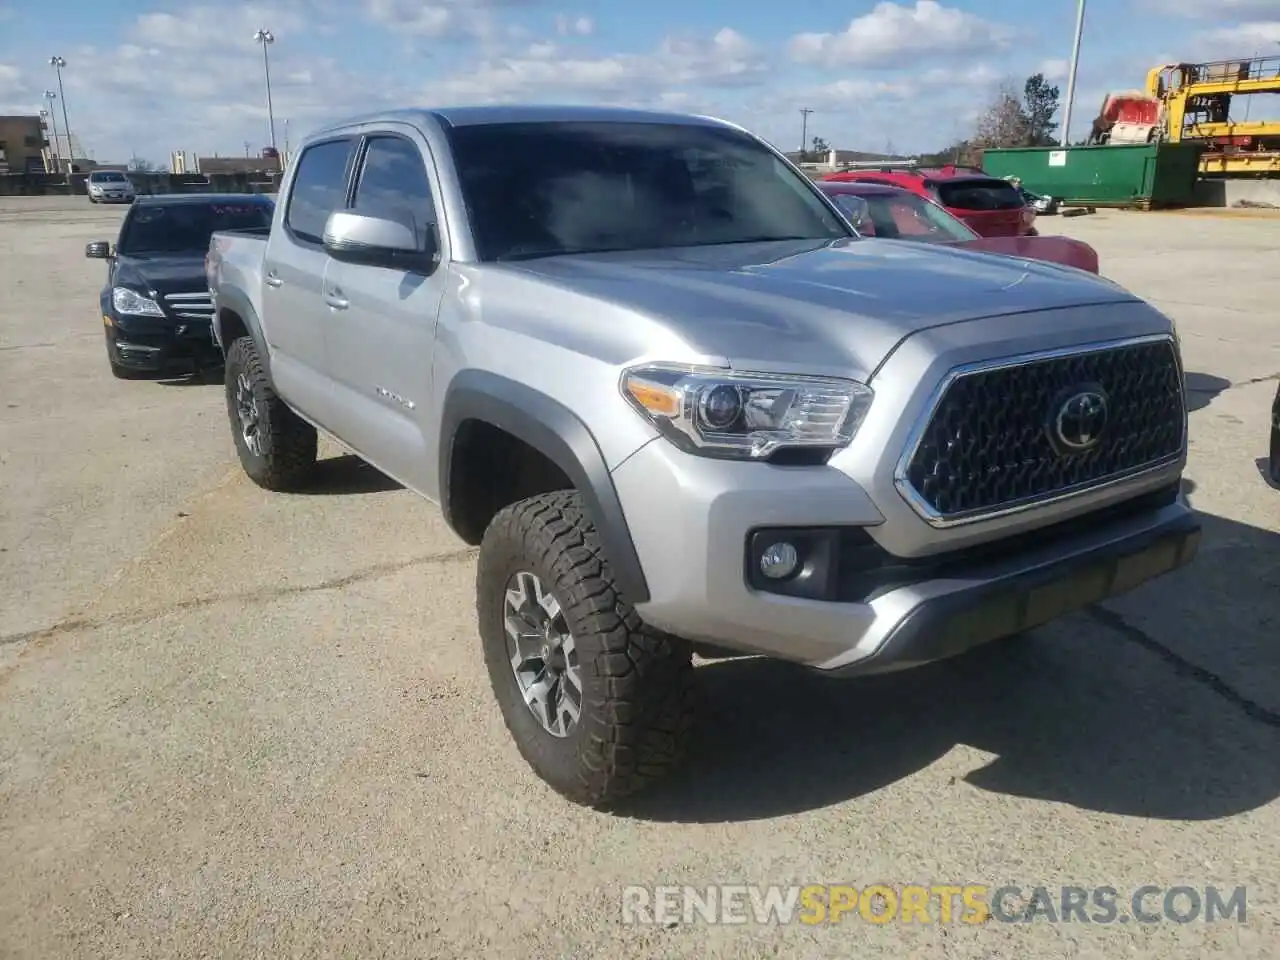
(1005, 122)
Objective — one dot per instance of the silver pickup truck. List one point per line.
(683, 407)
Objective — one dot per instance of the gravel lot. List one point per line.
(235, 724)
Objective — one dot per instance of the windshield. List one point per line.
(978, 195)
(107, 177)
(541, 189)
(904, 216)
(177, 228)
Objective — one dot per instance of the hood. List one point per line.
(163, 275)
(795, 304)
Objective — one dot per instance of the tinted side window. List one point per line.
(393, 184)
(319, 188)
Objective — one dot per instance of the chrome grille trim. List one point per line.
(190, 306)
(930, 515)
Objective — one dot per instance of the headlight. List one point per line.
(132, 303)
(747, 416)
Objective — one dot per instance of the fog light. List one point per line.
(779, 560)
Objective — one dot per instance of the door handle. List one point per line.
(272, 280)
(335, 300)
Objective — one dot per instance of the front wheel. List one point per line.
(276, 447)
(599, 704)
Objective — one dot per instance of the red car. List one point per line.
(892, 213)
(991, 207)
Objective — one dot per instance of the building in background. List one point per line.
(63, 146)
(24, 143)
(267, 164)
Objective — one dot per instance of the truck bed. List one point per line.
(234, 265)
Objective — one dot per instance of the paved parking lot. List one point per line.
(237, 724)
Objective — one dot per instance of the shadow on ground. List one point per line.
(1092, 712)
(1202, 389)
(205, 378)
(347, 474)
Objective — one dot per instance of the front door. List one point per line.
(381, 322)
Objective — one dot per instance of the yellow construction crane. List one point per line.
(1192, 103)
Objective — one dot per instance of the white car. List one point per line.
(110, 186)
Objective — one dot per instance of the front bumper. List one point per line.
(112, 197)
(692, 519)
(162, 347)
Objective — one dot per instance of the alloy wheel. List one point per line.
(544, 657)
(247, 412)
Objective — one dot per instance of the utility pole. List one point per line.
(58, 63)
(804, 128)
(266, 38)
(1071, 76)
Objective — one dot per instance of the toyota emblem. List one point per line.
(1079, 420)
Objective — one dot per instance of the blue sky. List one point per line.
(147, 77)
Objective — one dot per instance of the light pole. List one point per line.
(1071, 76)
(52, 115)
(804, 129)
(58, 63)
(266, 38)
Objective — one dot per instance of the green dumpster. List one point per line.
(1141, 175)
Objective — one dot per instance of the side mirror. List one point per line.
(98, 250)
(379, 242)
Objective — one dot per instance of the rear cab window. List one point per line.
(978, 194)
(319, 188)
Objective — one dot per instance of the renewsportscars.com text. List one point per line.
(939, 903)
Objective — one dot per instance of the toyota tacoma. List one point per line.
(681, 406)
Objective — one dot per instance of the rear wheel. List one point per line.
(276, 447)
(599, 704)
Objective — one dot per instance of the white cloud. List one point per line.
(1054, 69)
(891, 33)
(1221, 10)
(575, 26)
(198, 28)
(442, 18)
(726, 59)
(1246, 39)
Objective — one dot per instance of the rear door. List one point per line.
(381, 322)
(988, 205)
(294, 312)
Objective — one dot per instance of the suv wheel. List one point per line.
(599, 704)
(277, 448)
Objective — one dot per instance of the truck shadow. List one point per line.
(1202, 389)
(1162, 704)
(347, 474)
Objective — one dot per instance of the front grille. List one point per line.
(190, 306)
(987, 445)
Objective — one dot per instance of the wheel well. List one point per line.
(232, 326)
(489, 469)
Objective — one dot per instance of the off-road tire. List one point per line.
(289, 443)
(637, 683)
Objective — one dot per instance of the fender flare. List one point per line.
(557, 433)
(238, 303)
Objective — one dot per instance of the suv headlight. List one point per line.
(746, 416)
(132, 303)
